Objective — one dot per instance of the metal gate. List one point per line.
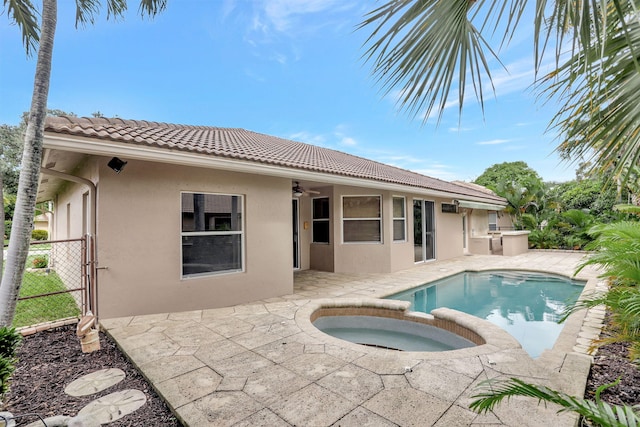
(59, 282)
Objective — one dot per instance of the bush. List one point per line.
(9, 341)
(39, 234)
(7, 228)
(41, 261)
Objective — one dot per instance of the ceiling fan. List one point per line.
(299, 191)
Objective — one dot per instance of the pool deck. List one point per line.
(263, 364)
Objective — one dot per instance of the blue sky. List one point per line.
(289, 68)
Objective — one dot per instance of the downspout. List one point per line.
(93, 297)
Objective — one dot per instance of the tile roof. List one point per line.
(240, 144)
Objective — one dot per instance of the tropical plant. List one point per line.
(575, 228)
(425, 49)
(617, 248)
(617, 251)
(492, 392)
(23, 13)
(623, 303)
(522, 197)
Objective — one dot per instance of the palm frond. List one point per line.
(86, 10)
(430, 47)
(24, 15)
(152, 7)
(492, 392)
(599, 119)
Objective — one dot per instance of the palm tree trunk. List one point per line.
(2, 228)
(30, 170)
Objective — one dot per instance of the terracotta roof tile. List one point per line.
(250, 146)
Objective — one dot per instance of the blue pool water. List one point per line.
(525, 304)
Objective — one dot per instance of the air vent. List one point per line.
(449, 208)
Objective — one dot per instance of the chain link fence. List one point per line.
(55, 282)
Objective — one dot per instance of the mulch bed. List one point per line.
(50, 360)
(611, 363)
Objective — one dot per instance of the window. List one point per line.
(321, 220)
(493, 221)
(212, 233)
(399, 220)
(361, 219)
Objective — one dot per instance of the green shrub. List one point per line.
(9, 341)
(41, 261)
(7, 366)
(7, 228)
(39, 234)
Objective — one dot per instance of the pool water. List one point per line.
(525, 304)
(392, 334)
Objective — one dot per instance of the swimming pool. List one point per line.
(525, 304)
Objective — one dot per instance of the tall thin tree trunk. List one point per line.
(2, 228)
(30, 170)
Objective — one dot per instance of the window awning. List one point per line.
(479, 205)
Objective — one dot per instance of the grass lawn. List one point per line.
(37, 310)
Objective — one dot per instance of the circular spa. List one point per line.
(392, 329)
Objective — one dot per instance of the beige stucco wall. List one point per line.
(479, 223)
(139, 242)
(389, 255)
(72, 205)
(515, 242)
(448, 232)
(139, 217)
(362, 257)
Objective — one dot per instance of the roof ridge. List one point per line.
(118, 121)
(248, 145)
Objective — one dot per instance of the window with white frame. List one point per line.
(212, 233)
(320, 218)
(361, 219)
(493, 221)
(399, 219)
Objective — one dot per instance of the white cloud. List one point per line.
(348, 141)
(309, 138)
(282, 14)
(494, 142)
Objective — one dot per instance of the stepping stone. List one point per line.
(65, 421)
(94, 382)
(6, 419)
(114, 406)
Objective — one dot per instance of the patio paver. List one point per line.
(260, 364)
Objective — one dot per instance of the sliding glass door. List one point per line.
(423, 230)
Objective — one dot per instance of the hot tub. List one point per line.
(385, 324)
(389, 333)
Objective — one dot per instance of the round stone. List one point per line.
(94, 382)
(114, 406)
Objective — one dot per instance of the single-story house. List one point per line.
(192, 217)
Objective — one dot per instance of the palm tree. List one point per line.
(425, 48)
(23, 13)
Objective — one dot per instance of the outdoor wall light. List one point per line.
(116, 164)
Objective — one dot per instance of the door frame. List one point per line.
(423, 208)
(295, 210)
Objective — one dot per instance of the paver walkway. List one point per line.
(258, 365)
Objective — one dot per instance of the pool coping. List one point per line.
(457, 322)
(571, 355)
